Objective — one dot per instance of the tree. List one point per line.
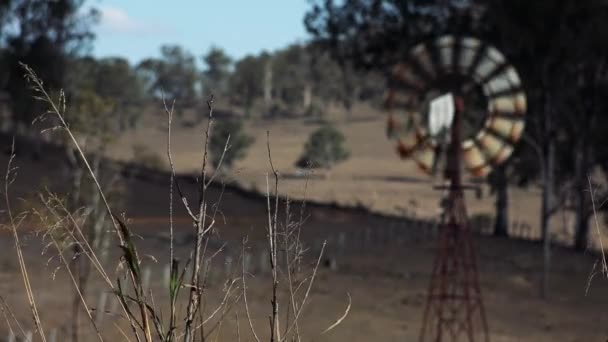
(42, 34)
(114, 82)
(324, 148)
(215, 76)
(291, 83)
(45, 35)
(174, 75)
(375, 34)
(587, 28)
(563, 58)
(247, 82)
(237, 146)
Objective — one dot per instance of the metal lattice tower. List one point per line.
(476, 138)
(454, 307)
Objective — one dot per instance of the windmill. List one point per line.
(455, 103)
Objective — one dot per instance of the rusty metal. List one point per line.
(454, 308)
(480, 68)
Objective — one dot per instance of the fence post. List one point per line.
(247, 261)
(11, 336)
(147, 273)
(227, 265)
(166, 275)
(207, 269)
(342, 242)
(435, 227)
(101, 307)
(263, 259)
(113, 306)
(53, 335)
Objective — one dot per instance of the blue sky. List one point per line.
(136, 29)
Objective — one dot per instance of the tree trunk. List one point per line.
(267, 86)
(582, 219)
(548, 173)
(547, 207)
(347, 89)
(307, 97)
(501, 223)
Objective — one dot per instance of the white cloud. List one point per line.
(117, 20)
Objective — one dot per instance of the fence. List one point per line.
(378, 234)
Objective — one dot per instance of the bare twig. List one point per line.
(247, 312)
(38, 87)
(76, 285)
(341, 319)
(13, 224)
(220, 162)
(273, 242)
(59, 112)
(203, 225)
(306, 295)
(169, 112)
(172, 176)
(597, 227)
(5, 308)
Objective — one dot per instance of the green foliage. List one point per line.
(42, 34)
(118, 91)
(376, 34)
(290, 71)
(237, 147)
(215, 76)
(324, 148)
(174, 75)
(246, 81)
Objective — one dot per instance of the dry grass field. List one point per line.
(386, 280)
(374, 177)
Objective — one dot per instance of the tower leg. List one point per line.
(454, 306)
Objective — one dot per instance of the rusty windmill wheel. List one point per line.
(479, 73)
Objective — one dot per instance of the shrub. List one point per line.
(237, 146)
(324, 148)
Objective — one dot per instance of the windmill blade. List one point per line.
(495, 149)
(490, 61)
(425, 155)
(469, 49)
(424, 58)
(475, 160)
(504, 83)
(404, 76)
(441, 114)
(407, 144)
(400, 126)
(508, 104)
(508, 128)
(446, 49)
(401, 99)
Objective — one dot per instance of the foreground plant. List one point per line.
(64, 228)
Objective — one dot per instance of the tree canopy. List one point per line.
(558, 48)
